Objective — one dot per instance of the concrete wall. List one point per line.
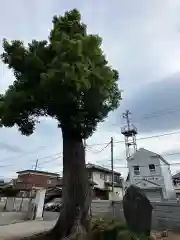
(98, 207)
(165, 215)
(14, 204)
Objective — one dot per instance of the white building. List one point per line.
(102, 179)
(176, 182)
(151, 172)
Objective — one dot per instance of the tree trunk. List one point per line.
(76, 191)
(76, 200)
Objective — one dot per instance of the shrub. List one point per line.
(109, 228)
(106, 228)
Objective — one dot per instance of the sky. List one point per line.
(141, 39)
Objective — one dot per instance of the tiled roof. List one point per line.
(38, 172)
(177, 175)
(60, 183)
(100, 168)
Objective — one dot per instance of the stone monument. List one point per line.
(137, 210)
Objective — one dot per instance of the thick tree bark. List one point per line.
(76, 191)
(76, 200)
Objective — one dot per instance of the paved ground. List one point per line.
(24, 228)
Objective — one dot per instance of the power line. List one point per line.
(138, 139)
(116, 165)
(121, 167)
(47, 156)
(22, 155)
(99, 151)
(155, 114)
(141, 166)
(108, 160)
(59, 155)
(107, 144)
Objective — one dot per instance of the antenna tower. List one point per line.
(129, 131)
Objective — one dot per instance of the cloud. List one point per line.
(11, 148)
(155, 107)
(140, 39)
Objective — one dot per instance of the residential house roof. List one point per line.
(152, 153)
(100, 168)
(38, 172)
(177, 175)
(59, 182)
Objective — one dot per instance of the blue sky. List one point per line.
(142, 40)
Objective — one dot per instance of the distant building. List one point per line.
(102, 178)
(151, 172)
(176, 182)
(28, 180)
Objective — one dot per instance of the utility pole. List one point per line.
(112, 165)
(112, 169)
(85, 148)
(36, 165)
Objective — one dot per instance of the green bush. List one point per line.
(106, 228)
(109, 228)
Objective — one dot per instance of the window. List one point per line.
(117, 178)
(136, 170)
(152, 168)
(49, 181)
(89, 175)
(103, 176)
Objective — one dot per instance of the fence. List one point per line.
(13, 210)
(165, 215)
(17, 204)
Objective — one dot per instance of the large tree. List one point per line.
(67, 78)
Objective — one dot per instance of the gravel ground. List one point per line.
(171, 236)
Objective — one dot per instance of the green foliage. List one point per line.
(66, 77)
(9, 192)
(106, 228)
(109, 228)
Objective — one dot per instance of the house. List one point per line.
(102, 177)
(55, 192)
(100, 180)
(28, 180)
(176, 183)
(151, 172)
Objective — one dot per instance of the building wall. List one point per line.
(96, 177)
(168, 183)
(27, 181)
(162, 175)
(100, 178)
(143, 159)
